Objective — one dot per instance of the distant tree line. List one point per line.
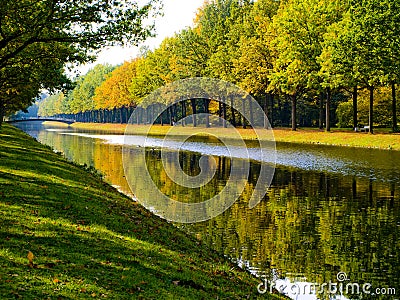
(307, 62)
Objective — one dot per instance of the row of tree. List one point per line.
(299, 58)
(40, 38)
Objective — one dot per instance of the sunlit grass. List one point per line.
(55, 124)
(89, 241)
(339, 138)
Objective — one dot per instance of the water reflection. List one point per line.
(309, 226)
(381, 165)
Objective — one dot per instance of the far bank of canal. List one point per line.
(337, 137)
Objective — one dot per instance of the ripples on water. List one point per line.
(375, 164)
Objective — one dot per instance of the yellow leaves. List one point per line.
(47, 265)
(12, 91)
(30, 257)
(114, 91)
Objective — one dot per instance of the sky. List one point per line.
(178, 14)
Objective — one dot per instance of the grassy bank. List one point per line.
(65, 234)
(380, 140)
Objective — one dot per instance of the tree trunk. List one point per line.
(162, 112)
(371, 109)
(126, 115)
(328, 109)
(224, 114)
(265, 109)
(394, 108)
(206, 103)
(2, 112)
(194, 112)
(244, 109)
(251, 112)
(169, 115)
(233, 112)
(294, 112)
(355, 109)
(175, 112)
(162, 118)
(183, 107)
(271, 115)
(321, 111)
(115, 115)
(219, 113)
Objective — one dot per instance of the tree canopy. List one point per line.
(38, 38)
(300, 58)
(114, 91)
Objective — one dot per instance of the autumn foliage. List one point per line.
(300, 64)
(114, 91)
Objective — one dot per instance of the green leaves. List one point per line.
(37, 39)
(54, 104)
(299, 28)
(114, 91)
(82, 97)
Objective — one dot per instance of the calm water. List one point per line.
(328, 210)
